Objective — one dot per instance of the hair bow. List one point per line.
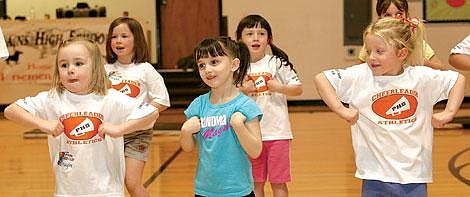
(412, 22)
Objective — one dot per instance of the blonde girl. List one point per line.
(84, 121)
(391, 107)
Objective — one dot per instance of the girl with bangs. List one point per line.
(223, 122)
(270, 80)
(129, 70)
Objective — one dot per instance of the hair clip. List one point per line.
(412, 22)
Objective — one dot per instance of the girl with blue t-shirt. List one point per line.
(224, 122)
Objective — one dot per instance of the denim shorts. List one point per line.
(373, 188)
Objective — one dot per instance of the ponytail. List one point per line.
(244, 57)
(401, 32)
(281, 55)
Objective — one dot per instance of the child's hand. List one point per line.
(349, 114)
(54, 127)
(109, 129)
(248, 85)
(441, 118)
(274, 85)
(191, 126)
(237, 119)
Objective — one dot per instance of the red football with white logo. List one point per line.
(81, 127)
(395, 106)
(261, 82)
(127, 89)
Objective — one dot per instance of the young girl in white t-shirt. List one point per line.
(460, 55)
(85, 122)
(270, 80)
(391, 107)
(128, 54)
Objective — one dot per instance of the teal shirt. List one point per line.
(223, 166)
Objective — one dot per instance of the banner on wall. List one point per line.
(3, 47)
(32, 47)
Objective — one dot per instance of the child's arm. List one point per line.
(19, 115)
(159, 106)
(328, 94)
(289, 90)
(128, 126)
(248, 134)
(190, 127)
(435, 63)
(460, 61)
(454, 100)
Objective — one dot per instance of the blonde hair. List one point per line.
(401, 33)
(99, 82)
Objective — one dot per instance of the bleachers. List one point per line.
(183, 86)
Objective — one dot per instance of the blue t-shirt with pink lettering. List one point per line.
(223, 167)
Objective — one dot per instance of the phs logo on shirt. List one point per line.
(81, 127)
(261, 81)
(395, 104)
(127, 87)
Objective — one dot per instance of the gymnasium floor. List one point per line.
(322, 160)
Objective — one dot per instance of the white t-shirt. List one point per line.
(392, 139)
(84, 163)
(463, 47)
(140, 81)
(275, 124)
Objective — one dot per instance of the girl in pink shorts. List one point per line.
(270, 80)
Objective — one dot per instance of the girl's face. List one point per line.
(382, 58)
(392, 11)
(74, 65)
(217, 72)
(256, 39)
(122, 43)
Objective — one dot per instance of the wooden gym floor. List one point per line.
(322, 160)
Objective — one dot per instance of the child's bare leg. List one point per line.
(279, 189)
(259, 189)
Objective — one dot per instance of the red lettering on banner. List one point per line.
(31, 77)
(32, 66)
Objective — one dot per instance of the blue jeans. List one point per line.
(373, 188)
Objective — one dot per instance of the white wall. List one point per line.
(311, 32)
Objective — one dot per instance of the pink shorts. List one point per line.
(273, 161)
